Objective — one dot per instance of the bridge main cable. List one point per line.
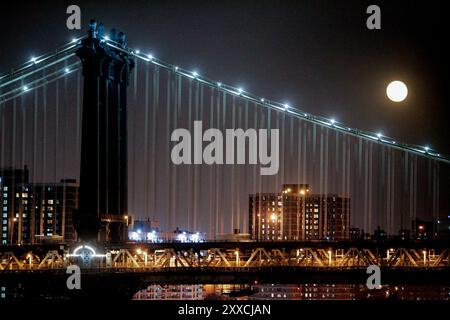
(282, 107)
(67, 51)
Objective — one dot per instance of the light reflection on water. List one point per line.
(293, 292)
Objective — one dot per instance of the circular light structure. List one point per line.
(397, 91)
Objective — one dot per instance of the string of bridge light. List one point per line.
(36, 64)
(285, 107)
(238, 91)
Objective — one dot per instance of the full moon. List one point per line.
(397, 91)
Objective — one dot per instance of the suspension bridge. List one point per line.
(117, 126)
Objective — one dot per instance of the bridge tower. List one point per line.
(103, 174)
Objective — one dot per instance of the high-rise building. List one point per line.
(296, 214)
(54, 207)
(16, 206)
(35, 212)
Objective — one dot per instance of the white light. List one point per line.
(33, 59)
(176, 68)
(240, 90)
(151, 236)
(286, 106)
(106, 37)
(306, 114)
(90, 249)
(139, 231)
(426, 148)
(219, 84)
(67, 70)
(25, 88)
(182, 237)
(75, 252)
(262, 100)
(150, 57)
(195, 237)
(393, 142)
(397, 91)
(134, 236)
(74, 40)
(379, 135)
(195, 74)
(137, 51)
(332, 121)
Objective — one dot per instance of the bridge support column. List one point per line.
(103, 172)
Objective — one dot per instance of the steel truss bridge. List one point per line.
(119, 271)
(224, 255)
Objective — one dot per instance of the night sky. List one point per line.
(316, 55)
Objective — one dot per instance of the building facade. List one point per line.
(33, 213)
(296, 214)
(53, 210)
(16, 206)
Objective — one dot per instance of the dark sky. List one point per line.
(318, 55)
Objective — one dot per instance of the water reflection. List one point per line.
(293, 292)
